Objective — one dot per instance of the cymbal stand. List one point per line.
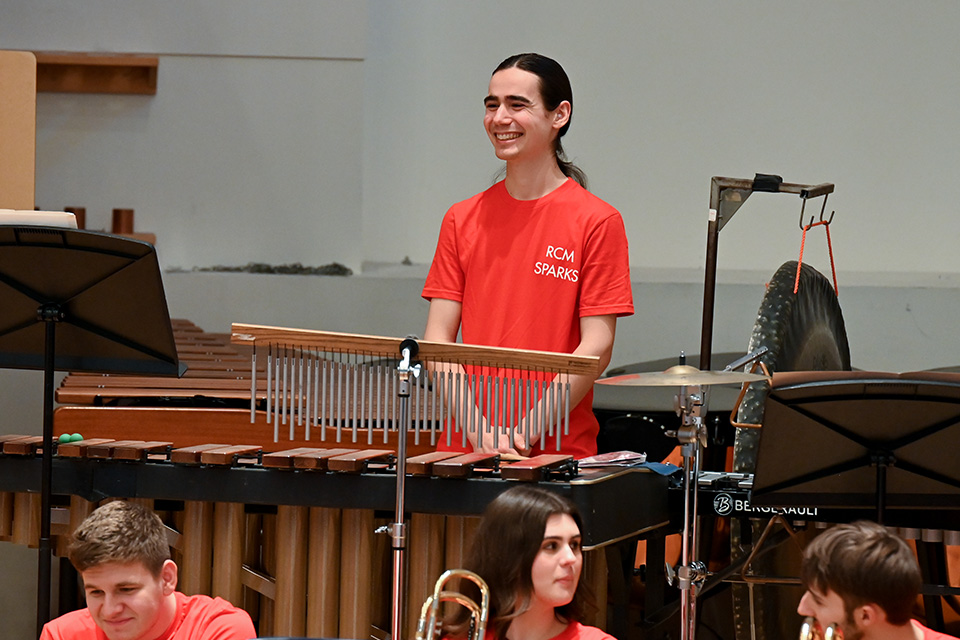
(408, 350)
(692, 434)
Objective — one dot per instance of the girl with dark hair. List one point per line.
(527, 549)
(536, 261)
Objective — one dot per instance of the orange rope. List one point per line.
(833, 266)
(803, 241)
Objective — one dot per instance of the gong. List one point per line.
(803, 331)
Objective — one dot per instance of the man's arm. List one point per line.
(443, 321)
(443, 325)
(596, 339)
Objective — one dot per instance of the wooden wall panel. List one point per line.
(18, 129)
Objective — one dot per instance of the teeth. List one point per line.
(507, 136)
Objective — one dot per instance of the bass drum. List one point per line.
(803, 332)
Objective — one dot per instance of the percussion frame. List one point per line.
(726, 197)
(551, 411)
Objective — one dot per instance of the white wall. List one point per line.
(667, 94)
(226, 164)
(249, 151)
(320, 131)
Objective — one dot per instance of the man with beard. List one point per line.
(865, 581)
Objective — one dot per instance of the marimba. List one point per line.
(284, 524)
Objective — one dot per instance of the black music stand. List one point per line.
(860, 440)
(75, 300)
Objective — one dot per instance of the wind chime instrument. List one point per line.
(321, 385)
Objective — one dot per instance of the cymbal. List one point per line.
(681, 375)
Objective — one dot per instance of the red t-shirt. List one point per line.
(930, 634)
(577, 631)
(573, 631)
(526, 271)
(198, 618)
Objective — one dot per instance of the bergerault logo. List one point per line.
(725, 504)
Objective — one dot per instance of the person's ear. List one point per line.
(562, 115)
(168, 577)
(868, 615)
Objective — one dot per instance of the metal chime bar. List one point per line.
(341, 384)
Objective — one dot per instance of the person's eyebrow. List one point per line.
(572, 538)
(522, 99)
(119, 585)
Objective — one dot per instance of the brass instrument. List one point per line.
(811, 630)
(427, 625)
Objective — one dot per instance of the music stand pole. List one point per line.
(50, 315)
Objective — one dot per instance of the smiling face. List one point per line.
(556, 568)
(128, 602)
(517, 122)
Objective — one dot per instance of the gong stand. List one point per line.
(726, 197)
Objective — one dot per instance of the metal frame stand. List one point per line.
(691, 573)
(398, 529)
(727, 195)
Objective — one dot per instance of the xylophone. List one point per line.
(289, 535)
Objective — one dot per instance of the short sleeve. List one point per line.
(446, 277)
(606, 287)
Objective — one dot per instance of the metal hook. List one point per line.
(803, 207)
(823, 208)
